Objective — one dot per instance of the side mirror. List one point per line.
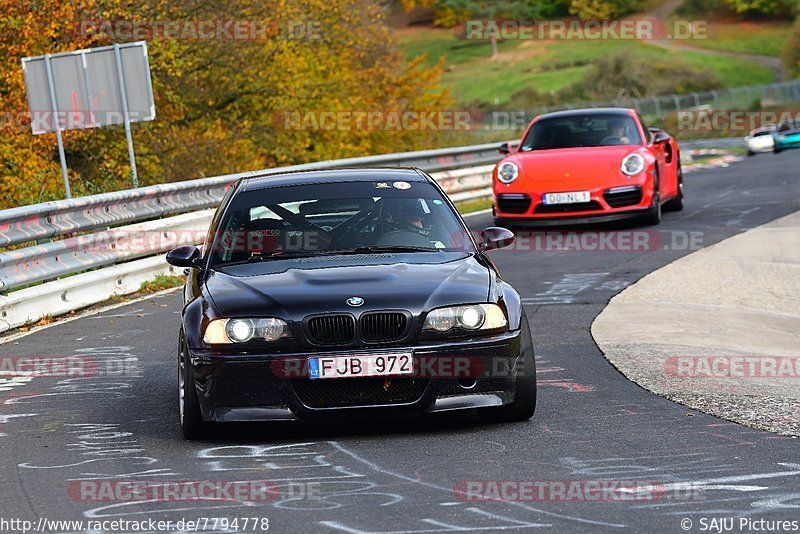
(504, 149)
(661, 137)
(185, 256)
(495, 237)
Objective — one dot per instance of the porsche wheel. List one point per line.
(676, 204)
(192, 423)
(653, 216)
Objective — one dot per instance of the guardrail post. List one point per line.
(735, 97)
(657, 102)
(715, 96)
(696, 100)
(677, 102)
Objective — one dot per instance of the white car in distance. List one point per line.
(760, 140)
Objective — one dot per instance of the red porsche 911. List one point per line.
(588, 165)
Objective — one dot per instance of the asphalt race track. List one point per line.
(591, 423)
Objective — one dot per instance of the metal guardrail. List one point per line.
(731, 98)
(51, 219)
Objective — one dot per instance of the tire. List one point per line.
(750, 152)
(192, 423)
(776, 149)
(524, 405)
(653, 216)
(676, 204)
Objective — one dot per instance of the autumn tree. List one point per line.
(219, 101)
(771, 8)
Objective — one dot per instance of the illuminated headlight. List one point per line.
(508, 172)
(471, 317)
(633, 164)
(227, 331)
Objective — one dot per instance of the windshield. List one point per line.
(340, 218)
(582, 131)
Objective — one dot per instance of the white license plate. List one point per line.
(355, 366)
(574, 197)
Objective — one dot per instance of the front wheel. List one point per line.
(192, 423)
(676, 204)
(653, 216)
(524, 404)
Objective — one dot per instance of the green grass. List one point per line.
(764, 38)
(160, 283)
(471, 75)
(470, 206)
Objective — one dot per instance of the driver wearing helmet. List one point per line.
(413, 218)
(616, 129)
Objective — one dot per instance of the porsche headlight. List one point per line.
(508, 172)
(473, 317)
(632, 164)
(227, 331)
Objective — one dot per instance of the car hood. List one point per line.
(292, 289)
(583, 166)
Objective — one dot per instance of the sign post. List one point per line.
(103, 86)
(61, 156)
(127, 118)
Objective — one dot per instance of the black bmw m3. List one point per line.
(347, 292)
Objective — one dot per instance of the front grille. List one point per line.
(513, 203)
(567, 208)
(626, 197)
(350, 392)
(383, 326)
(332, 329)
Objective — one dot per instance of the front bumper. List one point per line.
(516, 204)
(254, 387)
(539, 222)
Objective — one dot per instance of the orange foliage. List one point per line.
(217, 101)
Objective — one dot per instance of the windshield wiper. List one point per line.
(393, 248)
(256, 258)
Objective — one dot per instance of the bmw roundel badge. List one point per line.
(355, 301)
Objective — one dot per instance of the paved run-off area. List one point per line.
(718, 330)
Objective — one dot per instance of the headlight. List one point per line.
(508, 172)
(633, 164)
(472, 318)
(227, 331)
